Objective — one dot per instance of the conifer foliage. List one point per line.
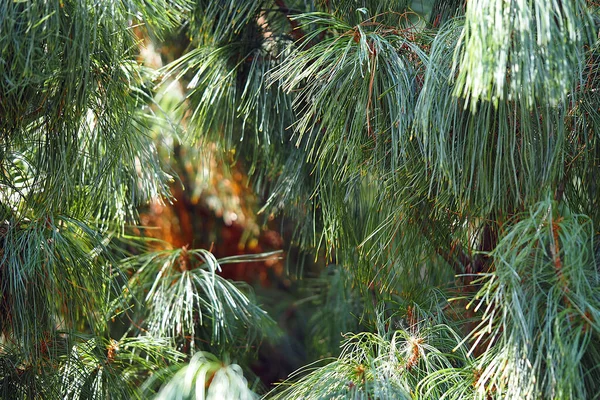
(443, 156)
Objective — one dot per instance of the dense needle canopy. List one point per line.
(443, 157)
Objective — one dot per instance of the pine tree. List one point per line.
(443, 156)
(86, 310)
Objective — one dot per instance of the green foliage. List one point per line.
(359, 86)
(72, 123)
(387, 365)
(40, 260)
(352, 11)
(220, 21)
(540, 307)
(440, 155)
(183, 294)
(76, 159)
(205, 371)
(522, 50)
(101, 368)
(483, 171)
(334, 301)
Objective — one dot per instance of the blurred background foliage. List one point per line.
(215, 206)
(215, 202)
